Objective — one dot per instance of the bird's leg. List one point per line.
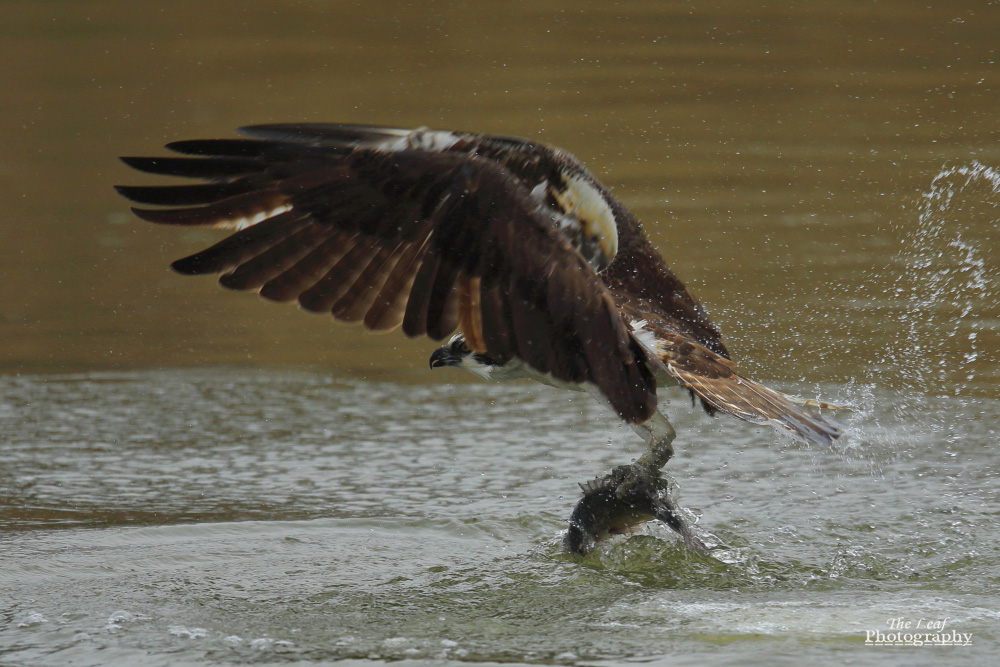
(630, 495)
(661, 436)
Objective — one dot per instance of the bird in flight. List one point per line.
(508, 248)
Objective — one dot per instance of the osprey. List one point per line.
(512, 243)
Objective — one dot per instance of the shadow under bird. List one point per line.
(511, 243)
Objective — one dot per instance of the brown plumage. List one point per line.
(513, 242)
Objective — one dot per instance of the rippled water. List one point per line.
(177, 516)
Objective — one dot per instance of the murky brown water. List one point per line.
(826, 178)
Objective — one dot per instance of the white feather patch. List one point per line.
(539, 192)
(583, 201)
(422, 139)
(251, 220)
(646, 337)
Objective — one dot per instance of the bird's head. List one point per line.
(456, 352)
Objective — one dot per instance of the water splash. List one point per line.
(945, 286)
(933, 306)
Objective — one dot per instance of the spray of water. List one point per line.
(939, 313)
(944, 284)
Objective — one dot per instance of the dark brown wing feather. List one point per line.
(639, 272)
(637, 267)
(430, 236)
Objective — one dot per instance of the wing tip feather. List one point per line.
(159, 216)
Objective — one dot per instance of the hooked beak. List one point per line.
(443, 357)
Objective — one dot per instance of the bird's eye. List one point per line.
(463, 347)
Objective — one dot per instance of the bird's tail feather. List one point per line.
(753, 402)
(713, 379)
(816, 403)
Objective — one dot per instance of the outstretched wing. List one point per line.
(713, 379)
(426, 229)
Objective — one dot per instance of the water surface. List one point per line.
(233, 515)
